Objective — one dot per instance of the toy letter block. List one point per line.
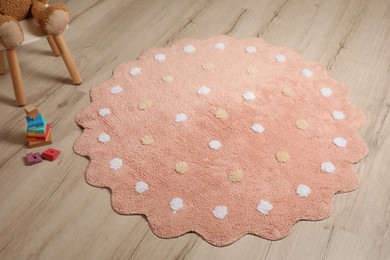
(31, 111)
(33, 158)
(50, 154)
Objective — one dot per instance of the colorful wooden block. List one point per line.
(37, 122)
(39, 137)
(50, 154)
(31, 111)
(40, 143)
(39, 130)
(33, 158)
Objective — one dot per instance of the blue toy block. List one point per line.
(35, 123)
(38, 130)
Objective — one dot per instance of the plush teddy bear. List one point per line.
(53, 19)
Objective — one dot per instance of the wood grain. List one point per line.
(48, 211)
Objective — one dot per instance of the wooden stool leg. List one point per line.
(53, 46)
(1, 63)
(16, 76)
(68, 59)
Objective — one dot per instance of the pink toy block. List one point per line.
(33, 158)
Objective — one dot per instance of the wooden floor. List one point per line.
(48, 211)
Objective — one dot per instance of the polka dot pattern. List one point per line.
(203, 90)
(141, 187)
(189, 48)
(116, 90)
(220, 212)
(207, 133)
(135, 71)
(176, 204)
(104, 138)
(307, 72)
(104, 112)
(251, 49)
(181, 117)
(280, 58)
(160, 57)
(303, 190)
(264, 207)
(215, 144)
(116, 164)
(249, 95)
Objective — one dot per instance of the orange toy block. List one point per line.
(31, 111)
(32, 144)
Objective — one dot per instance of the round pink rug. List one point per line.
(223, 138)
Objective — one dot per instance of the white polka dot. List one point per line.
(203, 90)
(215, 144)
(181, 117)
(159, 57)
(257, 128)
(326, 92)
(220, 212)
(141, 187)
(176, 204)
(338, 115)
(328, 167)
(219, 46)
(189, 48)
(135, 71)
(307, 72)
(251, 49)
(280, 58)
(104, 138)
(116, 90)
(116, 164)
(264, 207)
(104, 111)
(340, 142)
(249, 95)
(303, 190)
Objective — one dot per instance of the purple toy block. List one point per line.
(33, 158)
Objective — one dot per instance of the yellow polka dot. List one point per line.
(252, 70)
(236, 176)
(144, 104)
(282, 157)
(147, 139)
(221, 114)
(168, 79)
(302, 124)
(287, 91)
(181, 167)
(208, 66)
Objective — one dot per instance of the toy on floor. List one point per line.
(49, 155)
(38, 130)
(33, 158)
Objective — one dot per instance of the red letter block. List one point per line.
(50, 154)
(33, 158)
